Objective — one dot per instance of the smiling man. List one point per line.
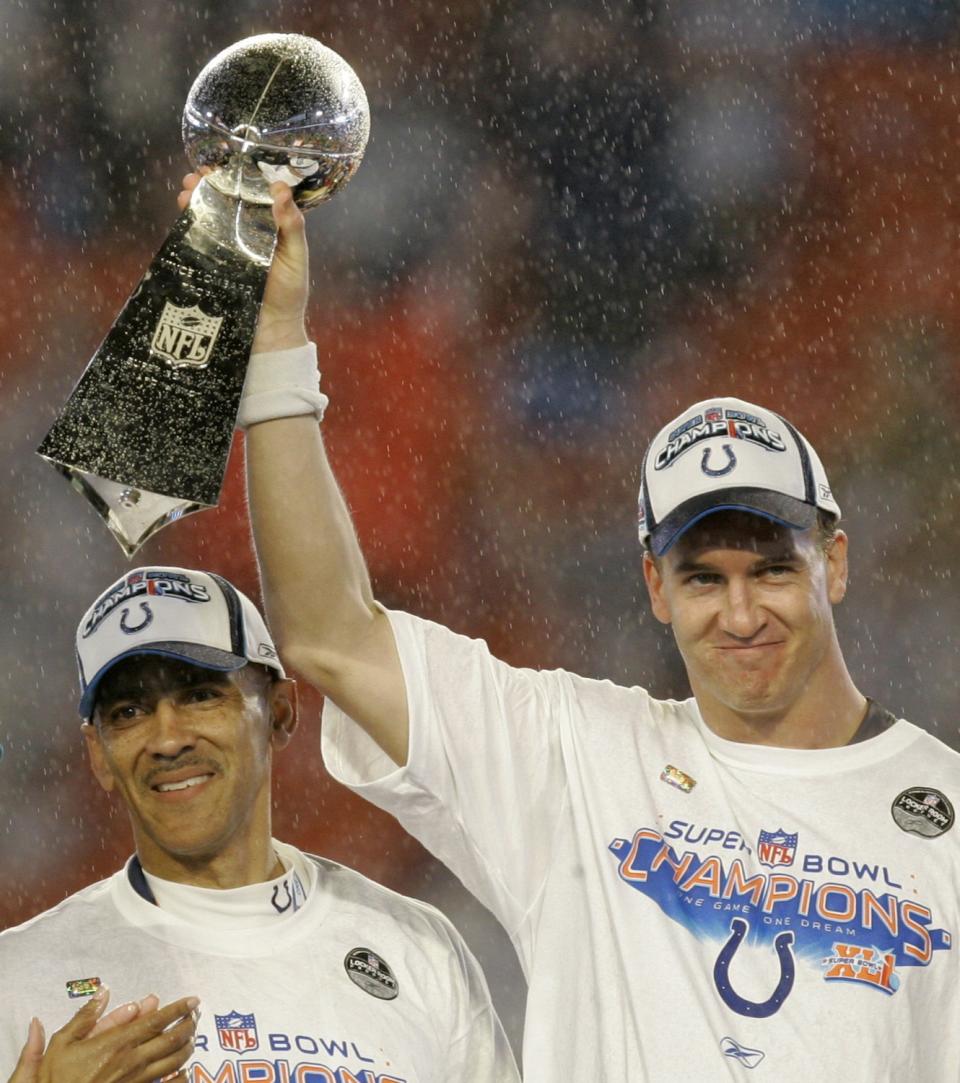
(763, 875)
(750, 601)
(305, 971)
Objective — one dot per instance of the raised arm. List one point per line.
(316, 587)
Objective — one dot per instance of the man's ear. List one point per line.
(837, 568)
(98, 757)
(284, 713)
(653, 577)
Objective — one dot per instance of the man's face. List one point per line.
(750, 603)
(189, 750)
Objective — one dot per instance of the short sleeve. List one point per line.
(484, 784)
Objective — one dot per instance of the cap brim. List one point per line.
(777, 507)
(195, 653)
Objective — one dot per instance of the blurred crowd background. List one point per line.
(574, 218)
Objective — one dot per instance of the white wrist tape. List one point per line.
(284, 383)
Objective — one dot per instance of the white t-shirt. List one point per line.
(684, 907)
(348, 983)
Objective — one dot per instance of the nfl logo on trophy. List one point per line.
(185, 336)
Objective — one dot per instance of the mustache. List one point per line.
(159, 772)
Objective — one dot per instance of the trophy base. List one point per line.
(132, 515)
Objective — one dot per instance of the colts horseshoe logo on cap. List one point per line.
(719, 471)
(133, 629)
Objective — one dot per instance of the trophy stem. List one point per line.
(226, 222)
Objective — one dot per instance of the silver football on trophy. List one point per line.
(276, 107)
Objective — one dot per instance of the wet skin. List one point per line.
(189, 751)
(751, 607)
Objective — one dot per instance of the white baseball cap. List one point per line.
(194, 616)
(727, 454)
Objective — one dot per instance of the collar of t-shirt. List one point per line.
(879, 736)
(875, 721)
(250, 907)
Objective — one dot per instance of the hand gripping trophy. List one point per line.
(146, 432)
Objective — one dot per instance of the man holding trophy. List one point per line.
(270, 965)
(762, 875)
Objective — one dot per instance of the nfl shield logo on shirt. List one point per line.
(776, 848)
(237, 1032)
